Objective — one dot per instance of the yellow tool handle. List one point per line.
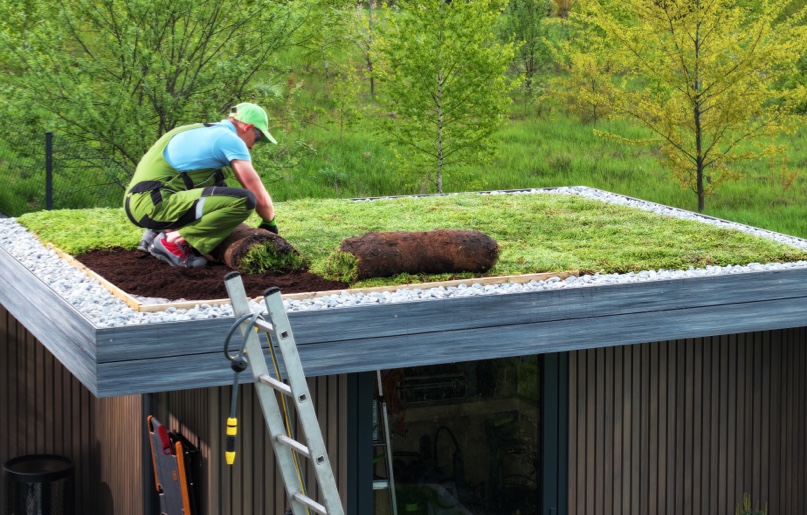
(232, 430)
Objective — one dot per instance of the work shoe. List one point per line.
(146, 240)
(175, 254)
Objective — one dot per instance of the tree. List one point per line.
(442, 81)
(116, 74)
(586, 87)
(705, 76)
(525, 22)
(326, 32)
(363, 39)
(344, 97)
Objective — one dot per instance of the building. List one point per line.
(661, 396)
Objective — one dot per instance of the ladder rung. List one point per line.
(294, 444)
(274, 383)
(380, 484)
(263, 324)
(314, 505)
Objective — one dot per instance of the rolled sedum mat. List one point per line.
(383, 254)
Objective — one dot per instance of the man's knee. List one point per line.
(251, 200)
(236, 193)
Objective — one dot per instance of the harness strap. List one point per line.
(187, 180)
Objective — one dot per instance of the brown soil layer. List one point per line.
(137, 273)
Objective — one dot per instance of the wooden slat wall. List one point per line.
(688, 426)
(252, 485)
(118, 453)
(44, 409)
(50, 412)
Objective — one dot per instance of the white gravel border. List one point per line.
(104, 309)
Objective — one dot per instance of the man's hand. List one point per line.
(270, 226)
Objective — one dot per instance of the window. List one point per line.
(465, 438)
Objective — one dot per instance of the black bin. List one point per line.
(39, 484)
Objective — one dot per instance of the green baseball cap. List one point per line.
(254, 114)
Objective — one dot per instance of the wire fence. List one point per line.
(50, 172)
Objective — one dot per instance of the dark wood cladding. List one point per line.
(253, 485)
(44, 409)
(677, 426)
(688, 426)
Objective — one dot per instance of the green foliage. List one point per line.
(744, 507)
(585, 87)
(344, 88)
(705, 77)
(442, 84)
(535, 233)
(326, 33)
(23, 159)
(117, 75)
(525, 23)
(364, 38)
(799, 80)
(278, 162)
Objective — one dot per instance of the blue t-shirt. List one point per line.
(206, 147)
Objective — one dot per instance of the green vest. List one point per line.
(154, 172)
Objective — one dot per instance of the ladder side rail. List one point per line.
(268, 401)
(301, 396)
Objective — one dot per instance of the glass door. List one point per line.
(465, 438)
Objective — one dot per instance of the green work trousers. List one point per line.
(204, 217)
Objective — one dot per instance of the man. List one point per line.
(178, 193)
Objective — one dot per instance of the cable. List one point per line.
(254, 317)
(238, 363)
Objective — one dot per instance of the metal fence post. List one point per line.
(49, 171)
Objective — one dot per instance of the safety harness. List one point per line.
(162, 179)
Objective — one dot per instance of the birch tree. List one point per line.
(705, 76)
(442, 82)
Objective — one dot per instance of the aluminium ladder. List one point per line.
(286, 448)
(381, 438)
